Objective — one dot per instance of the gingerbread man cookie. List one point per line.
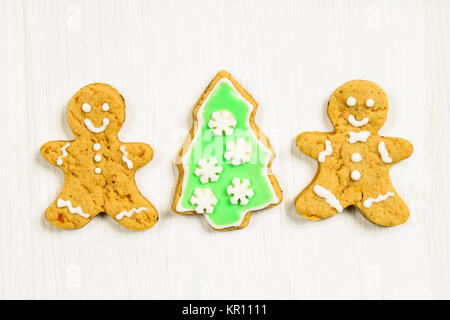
(99, 169)
(354, 161)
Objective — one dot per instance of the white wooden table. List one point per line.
(290, 55)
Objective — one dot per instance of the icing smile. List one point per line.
(94, 129)
(357, 123)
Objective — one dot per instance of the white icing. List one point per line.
(185, 160)
(98, 170)
(368, 203)
(97, 158)
(329, 197)
(238, 152)
(222, 122)
(94, 129)
(97, 147)
(357, 123)
(60, 203)
(351, 101)
(370, 103)
(59, 161)
(86, 107)
(125, 158)
(105, 107)
(240, 191)
(328, 151)
(122, 214)
(356, 157)
(384, 153)
(360, 136)
(204, 200)
(355, 175)
(208, 170)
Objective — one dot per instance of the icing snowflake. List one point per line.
(208, 170)
(204, 200)
(238, 152)
(240, 191)
(222, 122)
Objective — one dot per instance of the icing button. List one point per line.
(98, 158)
(356, 157)
(97, 147)
(355, 175)
(98, 170)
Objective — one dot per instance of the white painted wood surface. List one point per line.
(290, 55)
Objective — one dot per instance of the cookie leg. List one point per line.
(67, 213)
(317, 201)
(384, 209)
(132, 211)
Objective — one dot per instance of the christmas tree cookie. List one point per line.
(224, 165)
(99, 168)
(354, 160)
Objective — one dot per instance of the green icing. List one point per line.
(224, 97)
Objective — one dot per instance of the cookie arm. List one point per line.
(53, 150)
(311, 143)
(397, 149)
(138, 153)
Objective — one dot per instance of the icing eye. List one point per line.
(105, 107)
(86, 107)
(351, 101)
(370, 103)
